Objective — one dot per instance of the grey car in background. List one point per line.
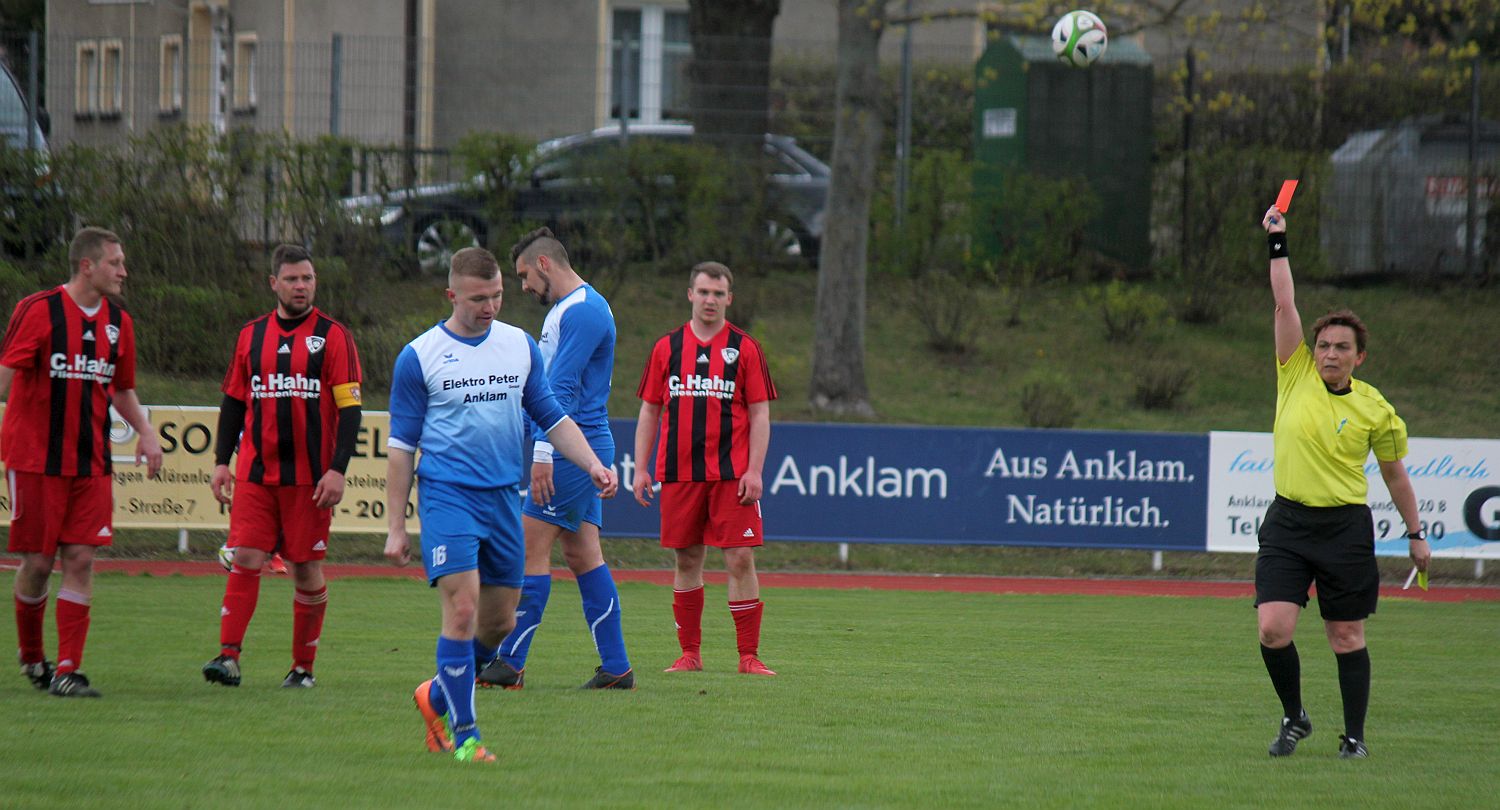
(436, 220)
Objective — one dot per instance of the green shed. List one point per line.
(1034, 113)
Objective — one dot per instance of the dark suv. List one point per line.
(436, 220)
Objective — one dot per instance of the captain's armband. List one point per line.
(346, 395)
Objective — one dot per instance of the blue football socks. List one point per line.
(455, 675)
(535, 590)
(601, 609)
(483, 655)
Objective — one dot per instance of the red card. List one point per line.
(1284, 199)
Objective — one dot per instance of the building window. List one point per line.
(86, 78)
(244, 71)
(169, 97)
(649, 54)
(111, 77)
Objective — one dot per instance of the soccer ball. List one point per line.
(226, 556)
(1079, 38)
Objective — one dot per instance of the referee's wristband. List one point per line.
(1277, 244)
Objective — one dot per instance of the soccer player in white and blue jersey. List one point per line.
(578, 348)
(458, 394)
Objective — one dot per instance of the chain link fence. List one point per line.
(1398, 155)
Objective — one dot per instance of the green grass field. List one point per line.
(884, 699)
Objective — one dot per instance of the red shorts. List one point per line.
(46, 510)
(708, 513)
(266, 518)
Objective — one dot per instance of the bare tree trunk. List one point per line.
(838, 373)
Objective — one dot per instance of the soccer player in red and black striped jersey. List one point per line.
(69, 354)
(707, 387)
(292, 406)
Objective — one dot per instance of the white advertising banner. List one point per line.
(1457, 483)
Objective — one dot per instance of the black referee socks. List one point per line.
(1354, 685)
(1285, 669)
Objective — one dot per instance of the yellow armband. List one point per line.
(346, 395)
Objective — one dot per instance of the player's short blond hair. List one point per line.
(89, 244)
(473, 262)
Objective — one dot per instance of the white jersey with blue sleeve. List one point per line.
(578, 348)
(460, 400)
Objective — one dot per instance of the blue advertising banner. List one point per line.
(883, 484)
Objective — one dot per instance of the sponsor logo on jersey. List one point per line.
(276, 386)
(81, 367)
(698, 385)
(315, 344)
(729, 355)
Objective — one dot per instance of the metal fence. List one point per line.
(1400, 162)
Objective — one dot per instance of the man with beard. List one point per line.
(293, 388)
(578, 347)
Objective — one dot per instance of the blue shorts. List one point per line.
(575, 499)
(467, 529)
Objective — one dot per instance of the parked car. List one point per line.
(27, 199)
(438, 219)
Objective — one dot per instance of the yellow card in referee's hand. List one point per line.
(1418, 575)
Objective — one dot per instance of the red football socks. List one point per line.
(746, 613)
(687, 609)
(72, 629)
(308, 608)
(29, 614)
(240, 595)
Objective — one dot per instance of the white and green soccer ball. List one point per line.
(1079, 38)
(226, 556)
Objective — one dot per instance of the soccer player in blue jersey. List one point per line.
(458, 393)
(578, 348)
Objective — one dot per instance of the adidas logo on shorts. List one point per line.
(320, 546)
(104, 531)
(749, 533)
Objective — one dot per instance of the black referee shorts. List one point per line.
(1333, 546)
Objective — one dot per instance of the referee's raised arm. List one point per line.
(1288, 322)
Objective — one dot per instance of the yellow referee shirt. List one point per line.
(1323, 439)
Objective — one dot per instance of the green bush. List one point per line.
(1047, 400)
(929, 250)
(17, 282)
(1161, 384)
(188, 329)
(1127, 311)
(1031, 229)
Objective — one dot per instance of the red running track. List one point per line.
(897, 582)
